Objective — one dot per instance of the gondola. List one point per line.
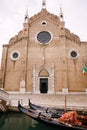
(48, 121)
(46, 109)
(54, 111)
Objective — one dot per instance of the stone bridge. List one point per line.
(4, 100)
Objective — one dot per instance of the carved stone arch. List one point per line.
(43, 79)
(43, 73)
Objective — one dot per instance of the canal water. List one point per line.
(19, 121)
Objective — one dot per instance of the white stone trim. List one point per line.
(86, 90)
(36, 79)
(65, 90)
(22, 86)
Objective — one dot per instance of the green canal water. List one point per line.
(19, 121)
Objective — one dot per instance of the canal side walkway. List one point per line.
(66, 101)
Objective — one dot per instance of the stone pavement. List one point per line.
(70, 101)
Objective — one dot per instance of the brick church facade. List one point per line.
(44, 57)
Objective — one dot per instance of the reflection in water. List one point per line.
(19, 121)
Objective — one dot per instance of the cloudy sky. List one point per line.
(12, 16)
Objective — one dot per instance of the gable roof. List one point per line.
(44, 14)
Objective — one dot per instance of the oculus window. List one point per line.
(44, 37)
(74, 54)
(15, 55)
(44, 23)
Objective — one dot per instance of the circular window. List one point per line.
(43, 23)
(73, 54)
(44, 37)
(15, 55)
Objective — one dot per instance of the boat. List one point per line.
(46, 109)
(46, 120)
(55, 113)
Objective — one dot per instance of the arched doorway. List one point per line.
(43, 81)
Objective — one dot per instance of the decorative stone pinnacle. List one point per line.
(43, 4)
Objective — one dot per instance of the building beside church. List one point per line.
(44, 57)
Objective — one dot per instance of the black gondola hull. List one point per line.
(36, 107)
(47, 121)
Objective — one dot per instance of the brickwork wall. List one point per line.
(67, 70)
